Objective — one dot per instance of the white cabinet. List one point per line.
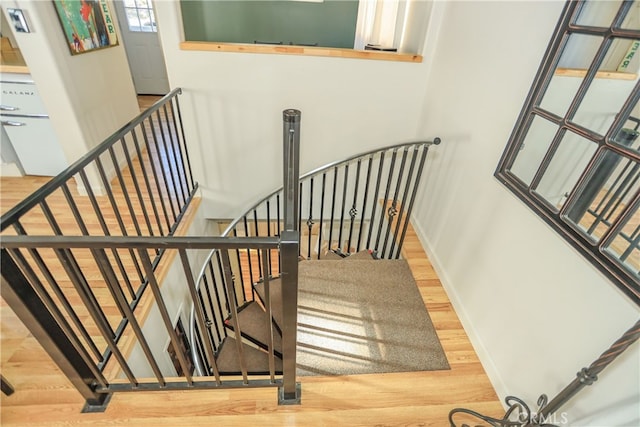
(27, 125)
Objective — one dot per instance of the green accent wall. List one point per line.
(331, 23)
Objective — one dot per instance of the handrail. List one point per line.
(33, 199)
(138, 242)
(326, 167)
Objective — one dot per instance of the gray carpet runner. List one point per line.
(256, 361)
(356, 316)
(363, 317)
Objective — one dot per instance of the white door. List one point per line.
(141, 42)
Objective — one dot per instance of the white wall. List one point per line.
(536, 311)
(87, 96)
(233, 103)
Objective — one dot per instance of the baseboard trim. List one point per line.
(476, 341)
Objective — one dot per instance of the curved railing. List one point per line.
(361, 203)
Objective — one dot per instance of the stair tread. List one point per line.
(330, 255)
(253, 325)
(360, 256)
(257, 362)
(275, 288)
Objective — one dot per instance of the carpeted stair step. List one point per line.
(360, 256)
(254, 327)
(331, 255)
(256, 361)
(275, 288)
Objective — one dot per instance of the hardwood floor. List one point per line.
(44, 397)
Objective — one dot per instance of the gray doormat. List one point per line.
(363, 317)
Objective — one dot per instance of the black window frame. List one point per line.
(594, 251)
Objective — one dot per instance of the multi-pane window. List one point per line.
(574, 154)
(140, 16)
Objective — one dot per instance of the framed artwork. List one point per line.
(87, 24)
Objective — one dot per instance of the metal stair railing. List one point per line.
(137, 183)
(364, 201)
(128, 373)
(80, 262)
(218, 300)
(367, 208)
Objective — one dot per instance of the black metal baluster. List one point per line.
(152, 163)
(209, 302)
(257, 231)
(145, 176)
(386, 198)
(161, 165)
(300, 215)
(199, 338)
(364, 202)
(177, 156)
(221, 296)
(235, 234)
(136, 186)
(105, 230)
(310, 220)
(402, 204)
(78, 280)
(233, 310)
(85, 232)
(100, 257)
(333, 206)
(217, 319)
(199, 313)
(73, 270)
(279, 227)
(270, 272)
(116, 210)
(184, 140)
(425, 149)
(125, 192)
(320, 245)
(269, 316)
(246, 233)
(168, 158)
(375, 201)
(76, 366)
(164, 313)
(345, 179)
(393, 210)
(21, 261)
(353, 212)
(227, 303)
